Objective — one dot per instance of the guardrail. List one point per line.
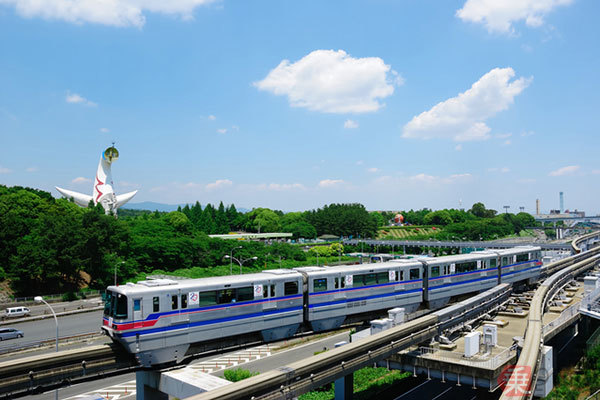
(566, 269)
(27, 374)
(49, 342)
(453, 357)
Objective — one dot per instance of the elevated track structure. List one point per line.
(26, 374)
(559, 273)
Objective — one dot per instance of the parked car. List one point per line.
(16, 312)
(10, 333)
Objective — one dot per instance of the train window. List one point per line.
(265, 290)
(155, 304)
(505, 261)
(383, 277)
(320, 285)
(435, 271)
(370, 279)
(358, 280)
(493, 263)
(522, 257)
(273, 290)
(207, 298)
(245, 293)
(336, 283)
(174, 302)
(226, 296)
(290, 288)
(137, 305)
(121, 308)
(414, 273)
(184, 300)
(466, 266)
(401, 275)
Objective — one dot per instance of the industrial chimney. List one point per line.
(562, 203)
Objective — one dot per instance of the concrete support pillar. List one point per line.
(344, 387)
(145, 384)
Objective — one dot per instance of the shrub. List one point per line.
(238, 374)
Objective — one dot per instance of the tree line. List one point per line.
(50, 245)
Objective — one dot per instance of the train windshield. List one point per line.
(115, 305)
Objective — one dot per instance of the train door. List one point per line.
(138, 312)
(339, 283)
(425, 281)
(266, 291)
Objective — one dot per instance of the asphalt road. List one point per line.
(45, 329)
(437, 390)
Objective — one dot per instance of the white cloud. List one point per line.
(222, 131)
(330, 182)
(360, 162)
(125, 184)
(80, 180)
(596, 171)
(280, 187)
(350, 124)
(500, 15)
(423, 178)
(212, 117)
(4, 170)
(454, 178)
(235, 128)
(332, 82)
(528, 133)
(75, 98)
(568, 170)
(458, 147)
(104, 130)
(506, 143)
(31, 169)
(103, 12)
(503, 169)
(219, 184)
(461, 118)
(373, 169)
(503, 135)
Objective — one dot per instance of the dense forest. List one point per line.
(50, 245)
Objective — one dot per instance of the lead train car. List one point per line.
(157, 320)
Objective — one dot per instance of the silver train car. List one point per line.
(158, 320)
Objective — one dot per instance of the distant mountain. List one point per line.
(153, 206)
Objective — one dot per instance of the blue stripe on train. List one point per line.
(154, 316)
(208, 322)
(329, 303)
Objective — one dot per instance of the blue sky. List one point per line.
(293, 105)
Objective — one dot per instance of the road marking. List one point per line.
(126, 389)
(444, 392)
(415, 388)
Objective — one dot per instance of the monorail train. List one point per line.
(158, 320)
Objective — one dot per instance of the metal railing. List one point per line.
(566, 315)
(50, 298)
(590, 298)
(457, 358)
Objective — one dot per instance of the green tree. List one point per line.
(263, 220)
